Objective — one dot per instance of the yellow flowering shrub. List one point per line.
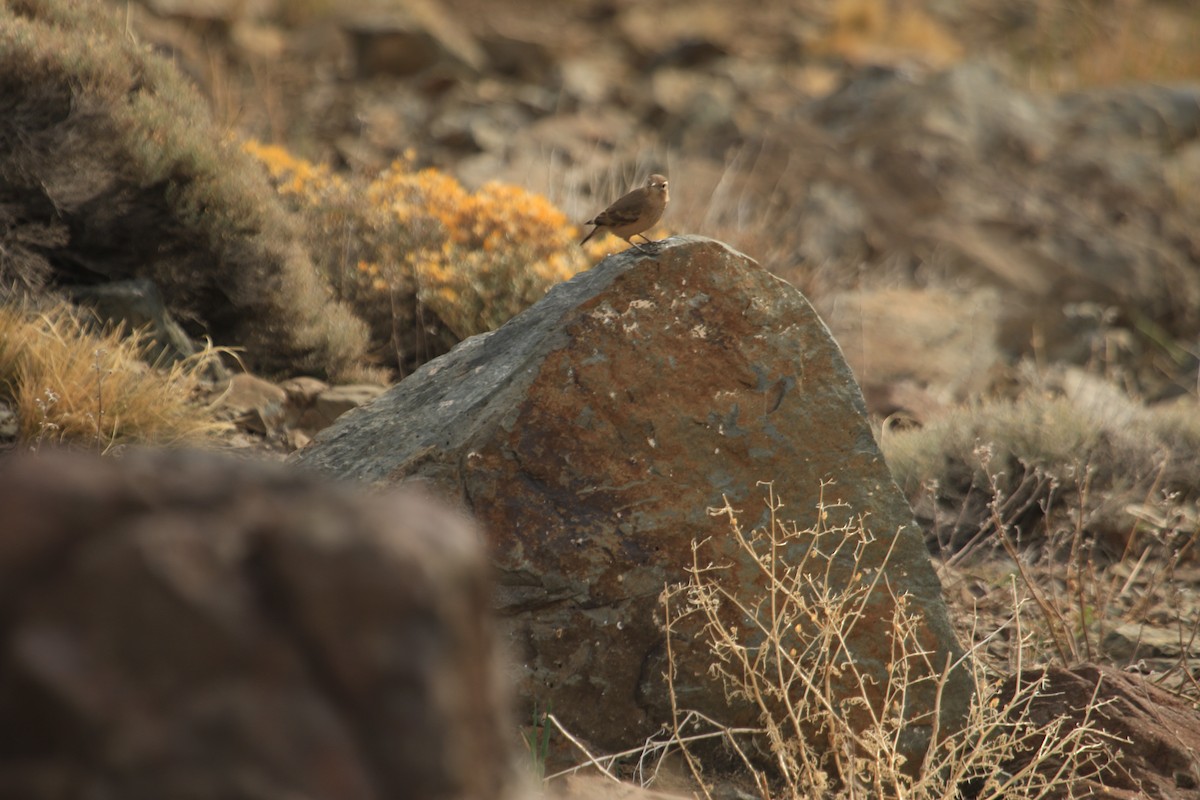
(425, 261)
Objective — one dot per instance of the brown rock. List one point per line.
(1160, 732)
(691, 101)
(520, 57)
(336, 401)
(313, 405)
(708, 30)
(409, 38)
(589, 80)
(302, 391)
(138, 305)
(9, 423)
(1129, 641)
(258, 41)
(591, 434)
(227, 10)
(178, 625)
(256, 403)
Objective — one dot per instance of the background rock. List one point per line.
(408, 38)
(138, 305)
(1158, 733)
(178, 625)
(256, 404)
(591, 434)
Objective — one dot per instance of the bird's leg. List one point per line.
(638, 246)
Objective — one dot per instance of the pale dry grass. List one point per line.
(1075, 451)
(72, 385)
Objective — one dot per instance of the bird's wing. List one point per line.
(624, 211)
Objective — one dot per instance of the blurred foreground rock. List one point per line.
(178, 625)
(591, 434)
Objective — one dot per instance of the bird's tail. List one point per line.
(590, 235)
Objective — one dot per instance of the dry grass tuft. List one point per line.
(1088, 501)
(72, 386)
(1075, 455)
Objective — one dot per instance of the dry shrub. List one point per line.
(787, 652)
(1086, 499)
(1058, 458)
(1124, 600)
(1137, 613)
(426, 262)
(110, 168)
(71, 385)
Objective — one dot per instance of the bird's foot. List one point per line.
(654, 244)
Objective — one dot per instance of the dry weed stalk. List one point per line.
(1077, 593)
(828, 730)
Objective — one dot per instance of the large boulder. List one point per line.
(591, 435)
(178, 625)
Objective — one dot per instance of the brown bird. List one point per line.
(635, 212)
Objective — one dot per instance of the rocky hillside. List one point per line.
(847, 145)
(991, 206)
